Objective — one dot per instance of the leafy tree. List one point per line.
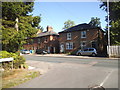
(12, 40)
(40, 28)
(95, 22)
(68, 24)
(12, 10)
(114, 12)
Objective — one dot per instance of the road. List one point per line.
(71, 72)
(103, 62)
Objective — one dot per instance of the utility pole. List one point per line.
(108, 28)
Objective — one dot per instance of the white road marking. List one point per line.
(106, 78)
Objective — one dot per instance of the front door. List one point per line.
(61, 48)
(48, 49)
(51, 50)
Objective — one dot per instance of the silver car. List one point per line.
(87, 51)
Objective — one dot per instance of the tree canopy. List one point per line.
(12, 40)
(95, 22)
(68, 24)
(114, 8)
(12, 10)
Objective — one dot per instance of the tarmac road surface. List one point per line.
(67, 72)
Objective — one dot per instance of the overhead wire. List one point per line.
(68, 11)
(51, 21)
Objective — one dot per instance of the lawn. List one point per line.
(13, 78)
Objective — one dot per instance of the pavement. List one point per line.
(73, 56)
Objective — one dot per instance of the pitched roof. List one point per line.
(79, 27)
(46, 33)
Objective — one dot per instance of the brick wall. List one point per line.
(91, 35)
(45, 42)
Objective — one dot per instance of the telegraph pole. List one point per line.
(108, 28)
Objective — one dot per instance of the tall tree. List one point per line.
(12, 39)
(95, 21)
(12, 10)
(40, 28)
(68, 24)
(114, 8)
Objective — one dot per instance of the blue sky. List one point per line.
(56, 13)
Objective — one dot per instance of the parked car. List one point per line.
(25, 51)
(41, 51)
(87, 51)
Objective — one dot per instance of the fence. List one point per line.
(114, 51)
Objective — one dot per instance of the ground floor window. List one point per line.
(69, 46)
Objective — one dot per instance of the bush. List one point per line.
(17, 62)
(4, 54)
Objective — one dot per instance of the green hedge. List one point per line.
(17, 62)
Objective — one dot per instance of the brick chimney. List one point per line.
(49, 28)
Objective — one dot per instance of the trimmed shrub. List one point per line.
(17, 62)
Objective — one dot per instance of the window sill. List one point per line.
(69, 49)
(83, 37)
(68, 39)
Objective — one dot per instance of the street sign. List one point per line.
(6, 59)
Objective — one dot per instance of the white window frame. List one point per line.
(83, 34)
(69, 46)
(69, 36)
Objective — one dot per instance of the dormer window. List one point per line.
(83, 34)
(68, 36)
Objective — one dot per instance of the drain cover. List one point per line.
(97, 88)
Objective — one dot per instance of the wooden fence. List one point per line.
(114, 51)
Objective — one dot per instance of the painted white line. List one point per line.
(106, 78)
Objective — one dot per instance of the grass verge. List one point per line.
(13, 78)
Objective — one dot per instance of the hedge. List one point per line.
(17, 62)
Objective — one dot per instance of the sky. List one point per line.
(56, 13)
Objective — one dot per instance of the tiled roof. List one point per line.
(79, 27)
(46, 33)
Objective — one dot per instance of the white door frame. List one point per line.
(62, 48)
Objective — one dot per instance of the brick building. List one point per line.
(81, 36)
(47, 41)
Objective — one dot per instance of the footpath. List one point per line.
(73, 56)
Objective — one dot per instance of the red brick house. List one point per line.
(47, 41)
(81, 36)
